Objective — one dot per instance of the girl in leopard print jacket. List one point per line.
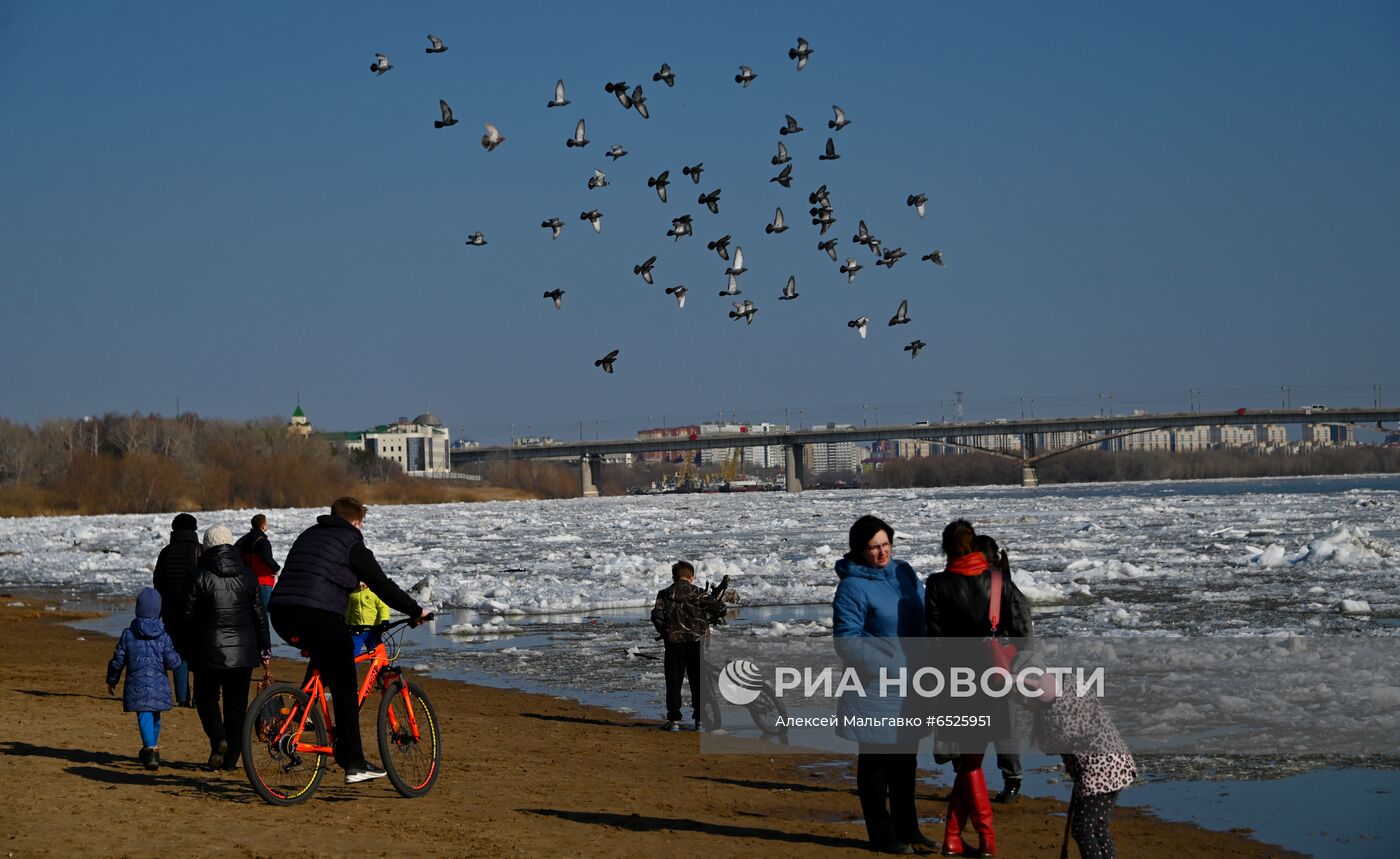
(1094, 755)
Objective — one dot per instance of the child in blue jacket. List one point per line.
(146, 652)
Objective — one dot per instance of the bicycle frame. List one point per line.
(382, 672)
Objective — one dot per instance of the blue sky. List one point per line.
(221, 203)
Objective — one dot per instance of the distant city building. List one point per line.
(421, 446)
(834, 456)
(1271, 435)
(1191, 438)
(1329, 434)
(1151, 440)
(299, 425)
(1233, 436)
(660, 433)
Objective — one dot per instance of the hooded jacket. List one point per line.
(874, 610)
(223, 611)
(145, 652)
(174, 565)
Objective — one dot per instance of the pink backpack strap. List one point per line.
(994, 606)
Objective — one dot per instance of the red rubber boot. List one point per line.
(979, 810)
(952, 827)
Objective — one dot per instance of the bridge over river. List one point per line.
(590, 454)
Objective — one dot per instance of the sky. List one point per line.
(220, 203)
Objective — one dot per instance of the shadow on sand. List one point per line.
(582, 720)
(640, 823)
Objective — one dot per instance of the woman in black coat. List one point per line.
(227, 630)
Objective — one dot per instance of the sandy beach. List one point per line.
(524, 775)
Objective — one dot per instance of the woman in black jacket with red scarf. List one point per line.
(957, 604)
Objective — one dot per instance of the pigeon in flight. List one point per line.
(829, 246)
(901, 316)
(830, 154)
(476, 239)
(492, 138)
(606, 362)
(437, 46)
(639, 102)
(744, 310)
(711, 201)
(598, 180)
(890, 257)
(380, 64)
(863, 237)
(594, 217)
(660, 182)
(789, 291)
(820, 196)
(616, 151)
(777, 226)
(720, 246)
(840, 121)
(447, 117)
(732, 288)
(745, 76)
(555, 227)
(619, 89)
(936, 258)
(738, 267)
(557, 295)
(645, 269)
(679, 292)
(559, 99)
(800, 53)
(858, 324)
(579, 138)
(914, 348)
(694, 172)
(791, 127)
(665, 75)
(680, 227)
(823, 219)
(784, 178)
(917, 201)
(850, 269)
(782, 157)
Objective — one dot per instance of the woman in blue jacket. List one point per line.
(879, 601)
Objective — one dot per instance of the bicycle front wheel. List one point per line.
(276, 722)
(410, 738)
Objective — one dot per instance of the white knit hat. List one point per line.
(217, 535)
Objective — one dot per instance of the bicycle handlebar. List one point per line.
(387, 625)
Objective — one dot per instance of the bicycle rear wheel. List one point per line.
(766, 711)
(413, 763)
(278, 772)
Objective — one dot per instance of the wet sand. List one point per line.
(523, 775)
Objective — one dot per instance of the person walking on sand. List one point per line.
(228, 636)
(324, 566)
(682, 616)
(256, 551)
(958, 604)
(881, 598)
(145, 652)
(174, 565)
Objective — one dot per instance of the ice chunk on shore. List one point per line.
(1354, 607)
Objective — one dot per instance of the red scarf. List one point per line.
(971, 564)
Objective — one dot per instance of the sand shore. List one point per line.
(524, 775)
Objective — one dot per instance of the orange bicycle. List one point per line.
(287, 734)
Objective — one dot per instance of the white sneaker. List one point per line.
(364, 772)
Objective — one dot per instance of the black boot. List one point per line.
(1010, 792)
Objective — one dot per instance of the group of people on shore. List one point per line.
(210, 611)
(974, 598)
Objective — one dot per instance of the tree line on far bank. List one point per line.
(150, 464)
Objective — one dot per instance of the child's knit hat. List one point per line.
(148, 603)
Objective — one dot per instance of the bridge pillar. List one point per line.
(795, 454)
(1028, 475)
(588, 472)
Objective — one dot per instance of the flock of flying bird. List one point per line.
(822, 212)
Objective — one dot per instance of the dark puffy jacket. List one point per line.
(174, 565)
(326, 563)
(224, 614)
(145, 652)
(684, 612)
(956, 606)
